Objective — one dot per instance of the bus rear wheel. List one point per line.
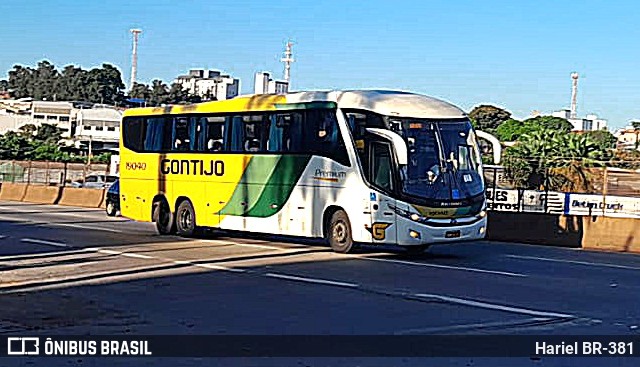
(165, 223)
(339, 233)
(186, 219)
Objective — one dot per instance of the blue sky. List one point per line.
(517, 55)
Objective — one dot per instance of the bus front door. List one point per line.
(383, 215)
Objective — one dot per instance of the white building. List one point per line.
(98, 127)
(263, 84)
(82, 124)
(589, 123)
(61, 114)
(210, 84)
(628, 137)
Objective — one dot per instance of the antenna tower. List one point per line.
(134, 57)
(288, 60)
(574, 95)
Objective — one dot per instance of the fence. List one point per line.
(617, 194)
(48, 173)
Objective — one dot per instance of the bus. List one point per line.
(353, 167)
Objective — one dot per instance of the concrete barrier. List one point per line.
(591, 233)
(13, 191)
(611, 234)
(536, 228)
(90, 198)
(41, 194)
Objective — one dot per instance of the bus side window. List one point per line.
(155, 129)
(280, 132)
(255, 137)
(322, 135)
(181, 135)
(214, 134)
(235, 133)
(134, 133)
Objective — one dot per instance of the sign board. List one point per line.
(610, 206)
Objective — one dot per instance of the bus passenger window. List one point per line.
(255, 139)
(214, 134)
(155, 136)
(280, 133)
(181, 136)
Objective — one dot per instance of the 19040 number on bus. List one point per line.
(135, 166)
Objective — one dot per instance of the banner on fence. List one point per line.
(610, 206)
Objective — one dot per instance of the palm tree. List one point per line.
(547, 159)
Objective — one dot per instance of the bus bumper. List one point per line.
(411, 233)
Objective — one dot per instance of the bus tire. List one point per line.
(339, 233)
(111, 208)
(165, 223)
(185, 219)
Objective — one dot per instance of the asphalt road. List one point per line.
(75, 271)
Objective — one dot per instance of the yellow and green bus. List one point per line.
(371, 166)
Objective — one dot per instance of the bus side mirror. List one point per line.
(397, 143)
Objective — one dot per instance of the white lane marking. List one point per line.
(43, 242)
(450, 267)
(136, 256)
(248, 245)
(44, 254)
(72, 225)
(218, 267)
(181, 262)
(311, 280)
(606, 265)
(481, 325)
(492, 306)
(109, 252)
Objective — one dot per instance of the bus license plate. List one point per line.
(452, 234)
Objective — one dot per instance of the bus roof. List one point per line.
(385, 102)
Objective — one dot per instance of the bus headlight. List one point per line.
(415, 217)
(481, 230)
(414, 234)
(482, 214)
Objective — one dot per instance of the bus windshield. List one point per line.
(443, 159)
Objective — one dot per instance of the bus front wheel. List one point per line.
(339, 233)
(185, 219)
(165, 223)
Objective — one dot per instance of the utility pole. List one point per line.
(134, 57)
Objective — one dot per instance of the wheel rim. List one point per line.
(185, 219)
(340, 232)
(110, 208)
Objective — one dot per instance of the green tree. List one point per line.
(177, 94)
(603, 138)
(141, 91)
(159, 93)
(555, 160)
(98, 85)
(511, 130)
(21, 81)
(488, 117)
(14, 145)
(4, 85)
(45, 78)
(549, 122)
